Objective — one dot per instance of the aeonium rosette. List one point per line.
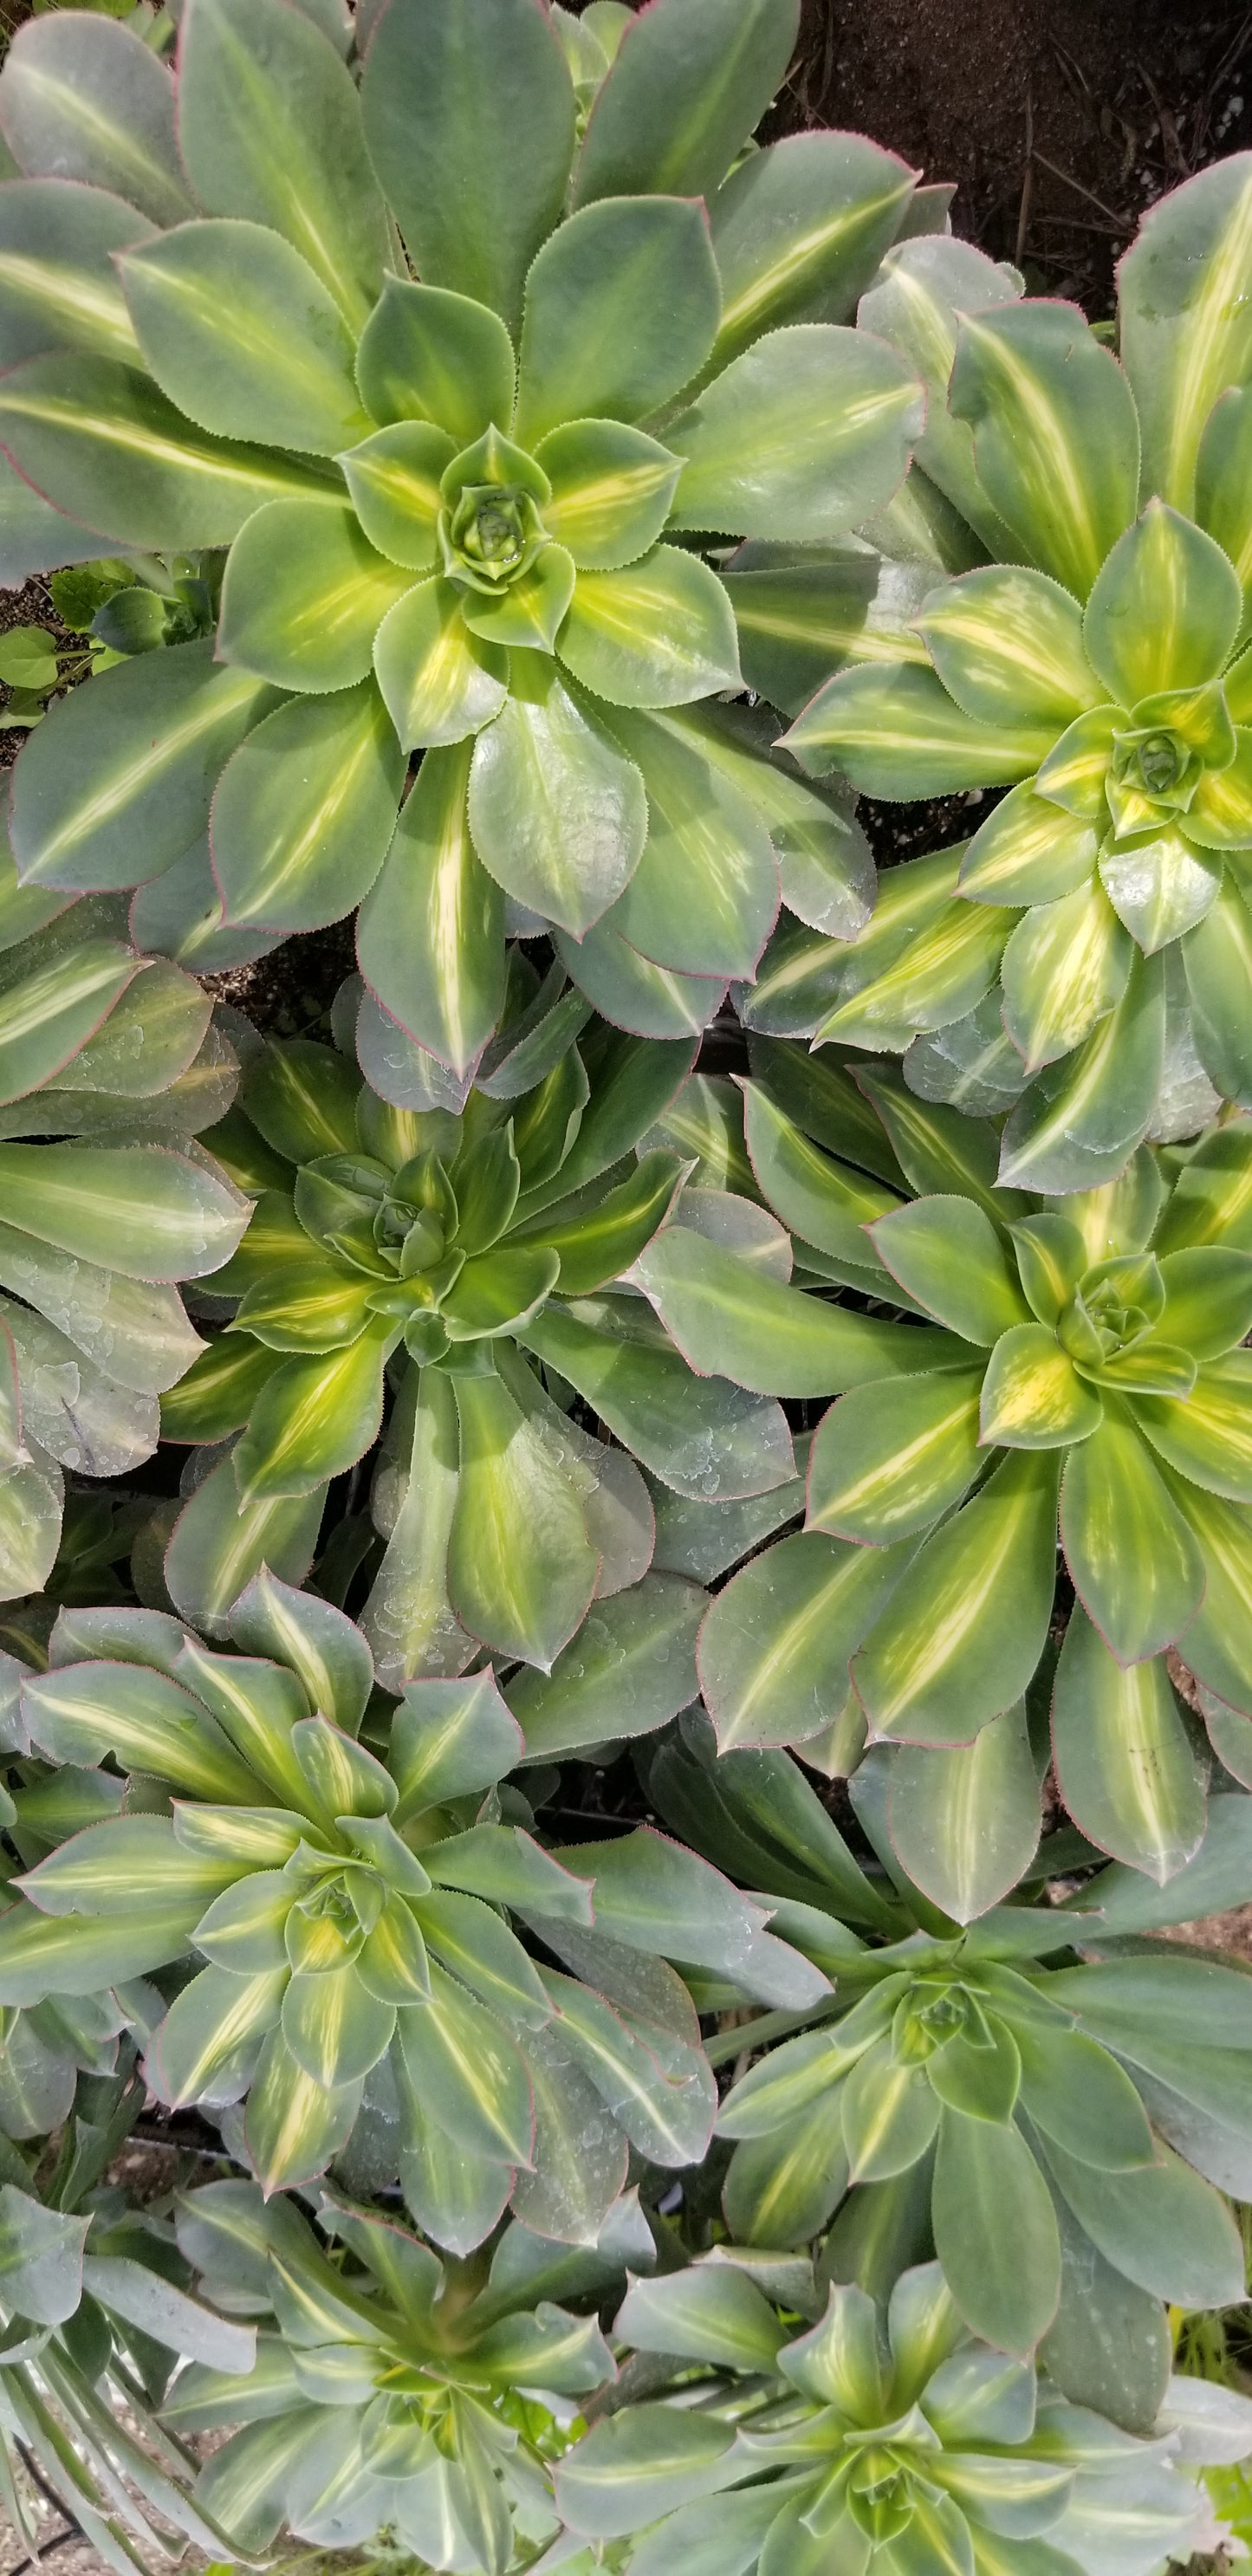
(470, 488)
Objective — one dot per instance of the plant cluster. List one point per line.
(595, 1801)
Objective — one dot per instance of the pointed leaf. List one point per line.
(469, 112)
(94, 104)
(1056, 440)
(558, 815)
(102, 438)
(622, 306)
(1183, 337)
(774, 1339)
(304, 595)
(243, 336)
(129, 763)
(656, 634)
(995, 2232)
(429, 355)
(960, 1645)
(776, 1644)
(269, 127)
(800, 437)
(1135, 1565)
(799, 229)
(896, 733)
(965, 1820)
(683, 95)
(521, 1569)
(305, 811)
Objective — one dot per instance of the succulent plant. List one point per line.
(1090, 1388)
(890, 2445)
(1052, 2099)
(1084, 960)
(391, 2389)
(469, 488)
(347, 1913)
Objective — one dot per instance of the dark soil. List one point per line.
(1059, 120)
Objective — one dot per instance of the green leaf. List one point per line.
(469, 2072)
(313, 1418)
(799, 229)
(430, 935)
(394, 480)
(440, 682)
(91, 102)
(803, 615)
(656, 634)
(728, 1318)
(1205, 1436)
(335, 2028)
(1064, 969)
(47, 1017)
(704, 894)
(304, 812)
(28, 658)
(429, 355)
(965, 1819)
(1135, 1565)
(469, 113)
(598, 1243)
(709, 2313)
(995, 2232)
(1126, 1765)
(1219, 1638)
(1027, 851)
(1033, 1396)
(961, 1644)
(1109, 2345)
(1221, 485)
(612, 488)
(1056, 439)
(783, 2189)
(947, 1254)
(216, 1548)
(243, 336)
(891, 1457)
(889, 2115)
(632, 1662)
(41, 2258)
(1138, 649)
(776, 1643)
(631, 993)
(1008, 646)
(703, 1437)
(1162, 2226)
(304, 596)
(84, 1711)
(801, 437)
(622, 307)
(558, 815)
(103, 440)
(1082, 1118)
(408, 1619)
(129, 764)
(269, 128)
(521, 1569)
(684, 92)
(667, 2120)
(1160, 887)
(639, 2464)
(1217, 956)
(132, 2290)
(896, 733)
(293, 2127)
(1183, 339)
(828, 1204)
(150, 1212)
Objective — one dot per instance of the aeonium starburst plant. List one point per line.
(328, 1890)
(1090, 1390)
(880, 2444)
(469, 487)
(1089, 952)
(1053, 2098)
(470, 1262)
(393, 2390)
